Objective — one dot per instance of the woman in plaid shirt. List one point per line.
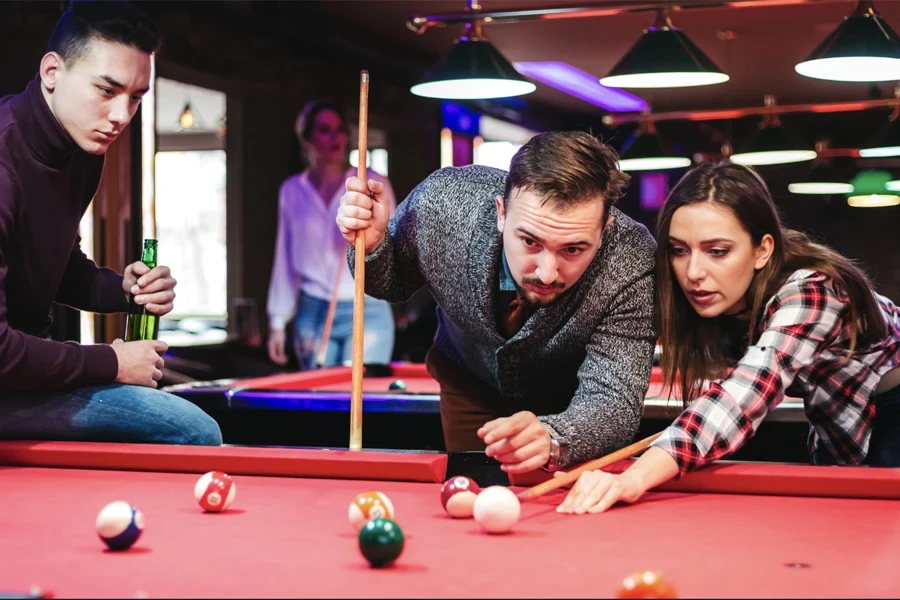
(749, 312)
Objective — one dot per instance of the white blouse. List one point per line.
(309, 248)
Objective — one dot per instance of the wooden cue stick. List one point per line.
(591, 465)
(360, 282)
(329, 319)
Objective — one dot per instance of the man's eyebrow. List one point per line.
(116, 84)
(523, 231)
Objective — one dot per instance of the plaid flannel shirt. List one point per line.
(803, 341)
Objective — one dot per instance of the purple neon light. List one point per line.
(580, 84)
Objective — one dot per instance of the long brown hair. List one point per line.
(692, 347)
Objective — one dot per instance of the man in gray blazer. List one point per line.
(545, 334)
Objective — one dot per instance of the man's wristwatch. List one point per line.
(559, 449)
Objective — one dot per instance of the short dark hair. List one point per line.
(109, 20)
(307, 117)
(567, 168)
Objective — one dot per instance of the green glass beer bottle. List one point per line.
(140, 324)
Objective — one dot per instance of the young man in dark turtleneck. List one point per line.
(53, 137)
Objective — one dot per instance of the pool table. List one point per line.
(311, 408)
(330, 389)
(731, 529)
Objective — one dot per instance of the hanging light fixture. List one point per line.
(870, 190)
(644, 151)
(186, 120)
(862, 48)
(664, 57)
(889, 142)
(473, 69)
(824, 178)
(772, 145)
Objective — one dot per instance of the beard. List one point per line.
(541, 300)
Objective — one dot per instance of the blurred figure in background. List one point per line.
(309, 252)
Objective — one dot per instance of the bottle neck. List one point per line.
(148, 256)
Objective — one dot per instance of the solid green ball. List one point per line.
(381, 541)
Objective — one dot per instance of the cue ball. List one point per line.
(367, 506)
(497, 509)
(119, 525)
(397, 384)
(215, 491)
(458, 496)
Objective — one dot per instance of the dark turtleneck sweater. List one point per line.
(46, 185)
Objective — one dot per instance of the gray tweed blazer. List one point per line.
(582, 364)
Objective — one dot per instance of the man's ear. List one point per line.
(501, 213)
(51, 66)
(609, 221)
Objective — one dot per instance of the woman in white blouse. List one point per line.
(309, 253)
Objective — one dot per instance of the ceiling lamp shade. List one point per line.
(643, 151)
(888, 145)
(862, 48)
(870, 190)
(822, 181)
(772, 145)
(664, 57)
(472, 70)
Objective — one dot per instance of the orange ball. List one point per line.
(645, 584)
(369, 505)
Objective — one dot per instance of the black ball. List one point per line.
(397, 384)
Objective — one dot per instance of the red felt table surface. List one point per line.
(338, 379)
(289, 537)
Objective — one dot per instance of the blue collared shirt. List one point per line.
(507, 283)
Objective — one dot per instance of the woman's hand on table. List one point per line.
(597, 491)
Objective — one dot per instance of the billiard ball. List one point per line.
(381, 541)
(397, 384)
(496, 509)
(215, 491)
(119, 525)
(645, 584)
(369, 505)
(458, 496)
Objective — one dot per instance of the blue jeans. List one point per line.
(884, 446)
(309, 325)
(106, 413)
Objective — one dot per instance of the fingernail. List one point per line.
(140, 282)
(135, 289)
